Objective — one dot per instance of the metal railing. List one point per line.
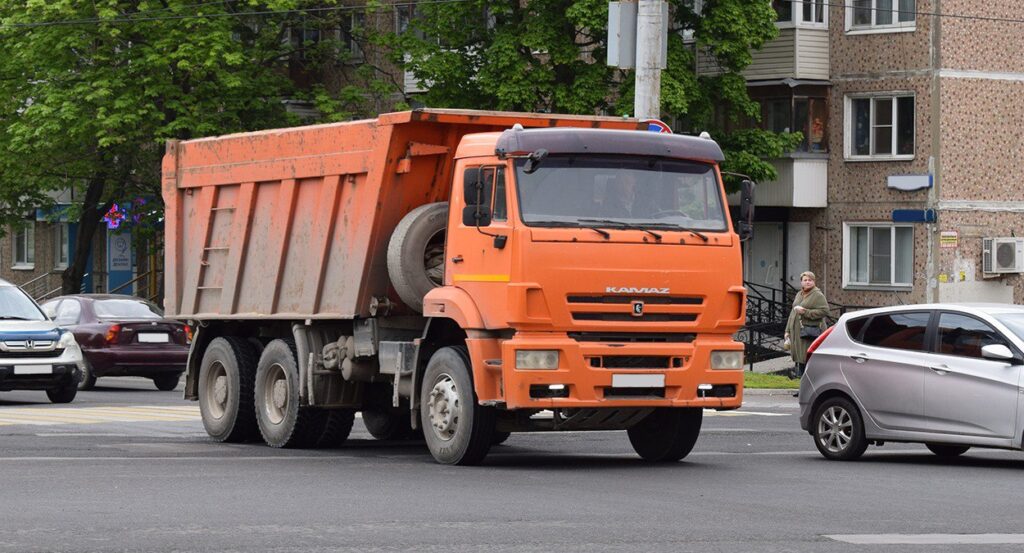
(767, 313)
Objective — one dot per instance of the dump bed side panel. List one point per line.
(294, 223)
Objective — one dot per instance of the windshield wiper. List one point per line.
(670, 226)
(13, 318)
(567, 224)
(624, 225)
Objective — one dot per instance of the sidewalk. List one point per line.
(772, 365)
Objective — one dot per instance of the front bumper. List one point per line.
(589, 383)
(40, 373)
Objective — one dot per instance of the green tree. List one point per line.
(90, 91)
(549, 55)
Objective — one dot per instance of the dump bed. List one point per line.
(294, 223)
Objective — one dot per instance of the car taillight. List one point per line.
(112, 333)
(188, 334)
(817, 342)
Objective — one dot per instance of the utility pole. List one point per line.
(651, 45)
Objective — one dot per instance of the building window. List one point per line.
(352, 26)
(803, 12)
(25, 247)
(783, 10)
(878, 254)
(880, 127)
(807, 115)
(62, 246)
(813, 11)
(881, 15)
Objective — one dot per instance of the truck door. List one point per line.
(479, 249)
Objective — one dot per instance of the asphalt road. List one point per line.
(128, 468)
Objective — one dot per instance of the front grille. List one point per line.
(650, 300)
(635, 362)
(629, 317)
(634, 337)
(30, 354)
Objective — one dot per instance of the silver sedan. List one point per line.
(945, 375)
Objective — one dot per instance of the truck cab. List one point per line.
(593, 270)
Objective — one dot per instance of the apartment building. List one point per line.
(789, 77)
(928, 116)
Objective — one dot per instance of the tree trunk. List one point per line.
(88, 224)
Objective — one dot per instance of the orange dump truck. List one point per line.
(460, 274)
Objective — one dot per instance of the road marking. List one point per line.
(49, 416)
(928, 539)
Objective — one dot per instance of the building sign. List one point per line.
(909, 183)
(119, 261)
(949, 239)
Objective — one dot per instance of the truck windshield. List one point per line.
(15, 305)
(634, 191)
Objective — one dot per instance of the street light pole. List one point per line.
(650, 38)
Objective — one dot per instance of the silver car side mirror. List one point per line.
(997, 351)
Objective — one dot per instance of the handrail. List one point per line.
(130, 282)
(37, 279)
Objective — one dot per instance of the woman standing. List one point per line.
(806, 320)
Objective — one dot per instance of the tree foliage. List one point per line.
(90, 91)
(549, 56)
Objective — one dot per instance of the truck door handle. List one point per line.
(457, 259)
(859, 357)
(940, 369)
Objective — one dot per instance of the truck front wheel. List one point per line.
(667, 434)
(283, 421)
(226, 377)
(457, 429)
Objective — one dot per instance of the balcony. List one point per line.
(802, 182)
(797, 53)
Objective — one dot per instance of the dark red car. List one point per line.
(123, 336)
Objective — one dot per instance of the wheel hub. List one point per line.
(275, 394)
(835, 429)
(220, 390)
(445, 409)
(280, 394)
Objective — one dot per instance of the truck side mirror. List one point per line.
(477, 212)
(746, 222)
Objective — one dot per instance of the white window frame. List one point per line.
(848, 126)
(848, 281)
(61, 246)
(27, 234)
(896, 26)
(798, 6)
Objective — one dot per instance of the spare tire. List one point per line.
(416, 253)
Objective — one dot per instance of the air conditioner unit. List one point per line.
(1002, 255)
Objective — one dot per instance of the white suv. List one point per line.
(35, 354)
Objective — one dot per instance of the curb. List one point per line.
(768, 392)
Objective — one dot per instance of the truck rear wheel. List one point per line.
(283, 422)
(227, 374)
(388, 423)
(416, 253)
(667, 434)
(458, 430)
(337, 427)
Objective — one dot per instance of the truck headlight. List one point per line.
(67, 340)
(730, 360)
(537, 359)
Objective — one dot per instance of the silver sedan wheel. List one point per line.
(835, 429)
(445, 409)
